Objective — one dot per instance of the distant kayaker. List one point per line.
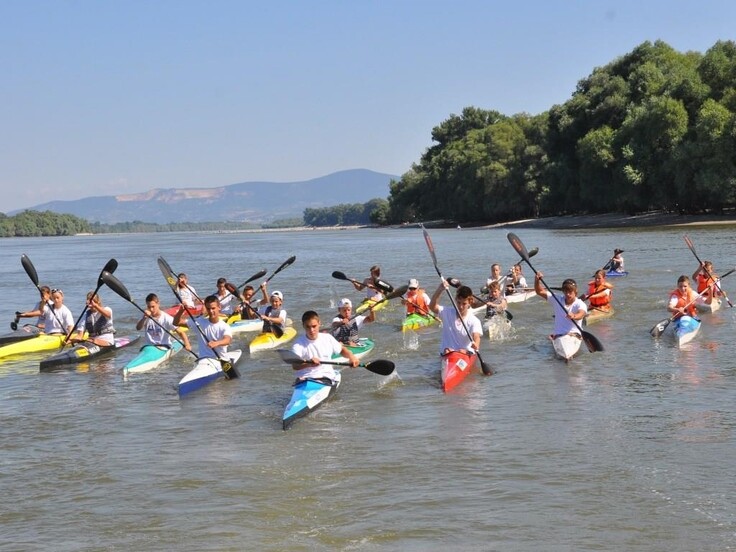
(55, 316)
(344, 327)
(496, 303)
(454, 324)
(45, 301)
(156, 332)
(496, 276)
(416, 299)
(245, 308)
(97, 322)
(217, 333)
(600, 292)
(271, 310)
(227, 300)
(515, 280)
(616, 264)
(187, 292)
(371, 285)
(707, 279)
(574, 308)
(315, 346)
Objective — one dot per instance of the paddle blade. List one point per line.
(381, 367)
(167, 272)
(659, 329)
(228, 369)
(231, 289)
(485, 367)
(111, 266)
(29, 268)
(592, 342)
(430, 246)
(518, 245)
(509, 316)
(454, 282)
(384, 287)
(116, 285)
(398, 292)
(339, 275)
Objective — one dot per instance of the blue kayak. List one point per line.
(207, 370)
(151, 356)
(685, 329)
(308, 395)
(615, 273)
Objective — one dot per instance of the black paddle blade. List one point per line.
(167, 272)
(398, 292)
(384, 287)
(518, 245)
(29, 268)
(116, 285)
(339, 275)
(485, 368)
(228, 369)
(381, 367)
(111, 266)
(658, 329)
(592, 342)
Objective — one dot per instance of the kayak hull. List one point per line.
(685, 329)
(238, 325)
(415, 321)
(368, 303)
(567, 346)
(519, 296)
(595, 314)
(205, 371)
(150, 357)
(307, 396)
(268, 340)
(364, 346)
(616, 274)
(711, 307)
(24, 334)
(455, 368)
(83, 352)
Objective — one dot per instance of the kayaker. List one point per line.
(496, 303)
(271, 312)
(682, 299)
(227, 300)
(371, 285)
(454, 336)
(187, 292)
(97, 322)
(600, 292)
(515, 280)
(344, 327)
(217, 333)
(246, 310)
(495, 276)
(315, 346)
(574, 308)
(707, 279)
(416, 299)
(55, 316)
(155, 332)
(45, 301)
(617, 261)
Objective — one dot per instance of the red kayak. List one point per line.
(195, 310)
(455, 368)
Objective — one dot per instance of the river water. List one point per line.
(628, 449)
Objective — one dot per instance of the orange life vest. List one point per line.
(704, 281)
(601, 300)
(684, 301)
(420, 305)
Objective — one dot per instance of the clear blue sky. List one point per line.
(110, 97)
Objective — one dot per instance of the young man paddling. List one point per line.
(574, 309)
(215, 334)
(156, 323)
(315, 346)
(454, 334)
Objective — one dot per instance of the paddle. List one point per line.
(393, 295)
(486, 368)
(381, 367)
(660, 327)
(257, 275)
(591, 341)
(692, 248)
(423, 312)
(110, 267)
(14, 323)
(381, 286)
(277, 330)
(33, 275)
(283, 265)
(228, 369)
(118, 287)
(454, 282)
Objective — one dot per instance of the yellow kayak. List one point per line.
(268, 340)
(41, 342)
(368, 303)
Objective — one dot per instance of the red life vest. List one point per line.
(704, 281)
(601, 300)
(683, 301)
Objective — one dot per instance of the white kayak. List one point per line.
(713, 306)
(519, 296)
(206, 370)
(685, 329)
(150, 357)
(567, 345)
(238, 325)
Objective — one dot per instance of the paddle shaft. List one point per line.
(487, 370)
(283, 265)
(33, 275)
(691, 246)
(257, 275)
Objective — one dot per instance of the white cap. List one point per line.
(345, 303)
(277, 294)
(413, 283)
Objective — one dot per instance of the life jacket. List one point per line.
(683, 301)
(704, 281)
(491, 309)
(268, 326)
(346, 333)
(96, 324)
(602, 299)
(420, 305)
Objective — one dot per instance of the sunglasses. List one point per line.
(55, 290)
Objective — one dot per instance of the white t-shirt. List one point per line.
(51, 324)
(213, 332)
(155, 335)
(563, 325)
(454, 336)
(322, 348)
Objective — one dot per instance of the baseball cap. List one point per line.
(413, 283)
(345, 303)
(278, 294)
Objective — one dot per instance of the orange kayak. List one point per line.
(455, 368)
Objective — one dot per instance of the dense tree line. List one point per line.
(46, 223)
(654, 129)
(348, 214)
(138, 226)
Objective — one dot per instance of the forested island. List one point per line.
(654, 130)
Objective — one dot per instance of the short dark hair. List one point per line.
(221, 281)
(151, 297)
(210, 299)
(464, 292)
(569, 285)
(309, 315)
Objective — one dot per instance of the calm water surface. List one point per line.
(629, 449)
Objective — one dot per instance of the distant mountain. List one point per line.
(256, 202)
